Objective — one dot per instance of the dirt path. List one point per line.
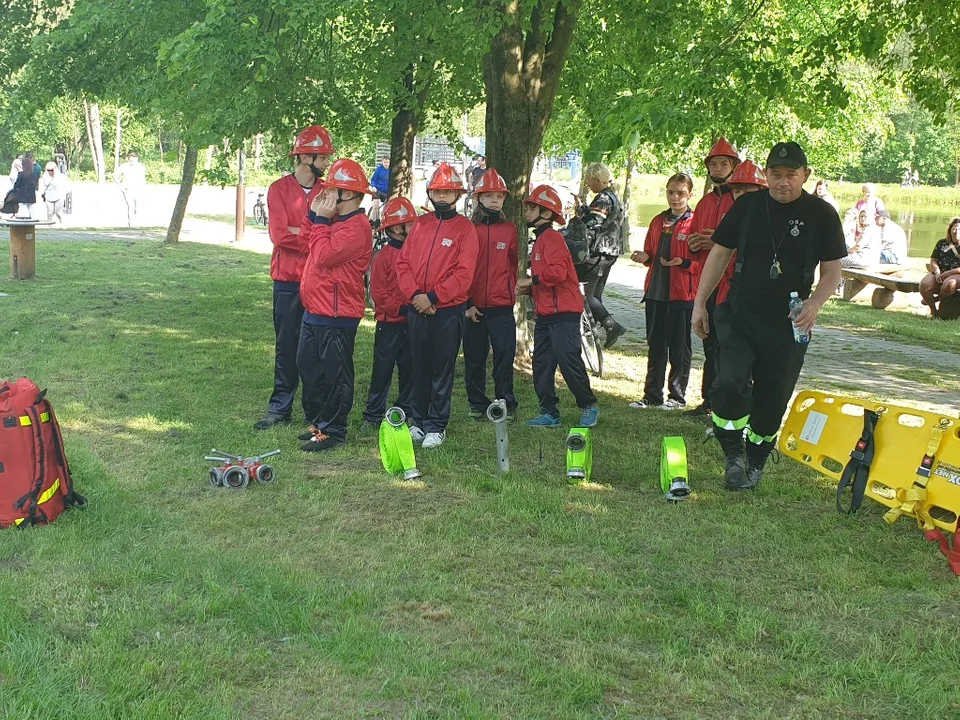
(838, 360)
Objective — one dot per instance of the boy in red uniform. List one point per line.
(390, 345)
(558, 302)
(720, 162)
(435, 269)
(490, 320)
(334, 298)
(668, 295)
(288, 201)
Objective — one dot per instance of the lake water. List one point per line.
(924, 225)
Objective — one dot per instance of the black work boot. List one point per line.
(614, 331)
(731, 441)
(269, 420)
(757, 455)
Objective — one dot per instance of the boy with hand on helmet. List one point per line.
(720, 163)
(435, 269)
(390, 345)
(490, 320)
(334, 298)
(288, 201)
(558, 303)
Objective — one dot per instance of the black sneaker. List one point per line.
(477, 415)
(736, 475)
(321, 442)
(269, 420)
(700, 410)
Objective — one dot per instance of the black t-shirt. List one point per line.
(946, 255)
(804, 233)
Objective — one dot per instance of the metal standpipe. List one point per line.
(497, 414)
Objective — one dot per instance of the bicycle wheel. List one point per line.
(590, 343)
(259, 215)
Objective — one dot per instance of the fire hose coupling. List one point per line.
(236, 471)
(497, 411)
(396, 417)
(396, 445)
(673, 469)
(579, 455)
(497, 414)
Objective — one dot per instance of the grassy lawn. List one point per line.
(338, 592)
(900, 325)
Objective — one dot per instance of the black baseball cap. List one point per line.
(787, 154)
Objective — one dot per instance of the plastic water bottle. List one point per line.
(796, 306)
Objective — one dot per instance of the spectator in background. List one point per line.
(893, 240)
(15, 167)
(822, 191)
(25, 187)
(476, 172)
(869, 202)
(863, 243)
(53, 185)
(381, 179)
(944, 276)
(131, 176)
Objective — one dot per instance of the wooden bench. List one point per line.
(888, 277)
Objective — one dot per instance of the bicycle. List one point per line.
(379, 241)
(260, 211)
(377, 200)
(590, 344)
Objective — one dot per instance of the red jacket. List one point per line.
(495, 280)
(385, 291)
(340, 251)
(438, 258)
(287, 206)
(555, 285)
(684, 278)
(710, 211)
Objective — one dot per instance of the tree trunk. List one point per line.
(186, 185)
(160, 142)
(116, 146)
(209, 157)
(625, 197)
(257, 149)
(521, 74)
(91, 113)
(408, 109)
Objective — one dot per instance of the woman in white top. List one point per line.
(53, 184)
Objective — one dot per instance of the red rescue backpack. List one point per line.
(35, 483)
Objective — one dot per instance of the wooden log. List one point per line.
(23, 251)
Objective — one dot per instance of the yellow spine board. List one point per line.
(822, 429)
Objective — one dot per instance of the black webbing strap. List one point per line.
(742, 240)
(857, 469)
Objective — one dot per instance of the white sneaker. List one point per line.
(433, 440)
(416, 434)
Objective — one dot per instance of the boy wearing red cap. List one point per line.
(720, 163)
(490, 321)
(558, 302)
(435, 269)
(390, 344)
(334, 298)
(288, 201)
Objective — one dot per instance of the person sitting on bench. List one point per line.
(863, 244)
(944, 274)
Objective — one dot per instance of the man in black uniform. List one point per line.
(779, 236)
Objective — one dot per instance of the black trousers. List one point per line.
(711, 352)
(287, 319)
(390, 349)
(434, 345)
(497, 329)
(757, 345)
(668, 338)
(557, 344)
(596, 281)
(326, 365)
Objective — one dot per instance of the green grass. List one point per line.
(900, 325)
(340, 593)
(226, 218)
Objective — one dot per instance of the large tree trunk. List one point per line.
(91, 113)
(403, 132)
(521, 74)
(116, 145)
(625, 197)
(186, 185)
